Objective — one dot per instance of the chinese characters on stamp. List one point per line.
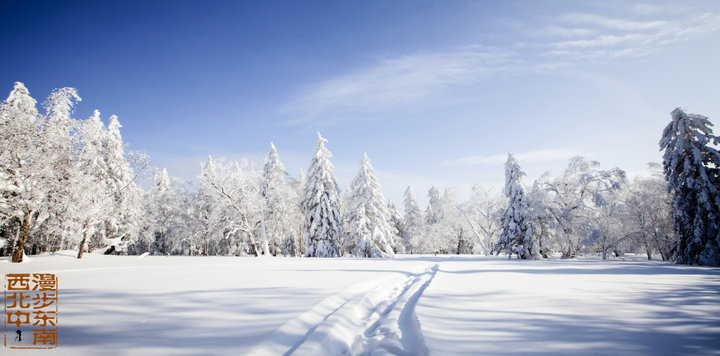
(31, 306)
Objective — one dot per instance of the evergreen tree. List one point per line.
(517, 233)
(413, 222)
(299, 189)
(281, 211)
(168, 215)
(541, 217)
(435, 229)
(691, 166)
(90, 193)
(397, 226)
(125, 223)
(434, 210)
(58, 140)
(368, 233)
(320, 205)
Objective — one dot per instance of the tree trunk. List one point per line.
(265, 242)
(82, 245)
(663, 254)
(254, 246)
(20, 243)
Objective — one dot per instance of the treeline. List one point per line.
(68, 184)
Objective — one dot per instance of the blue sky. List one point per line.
(436, 92)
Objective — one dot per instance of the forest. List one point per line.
(69, 184)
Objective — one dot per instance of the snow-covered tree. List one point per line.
(413, 222)
(22, 190)
(433, 228)
(92, 199)
(238, 190)
(124, 225)
(299, 188)
(367, 232)
(454, 233)
(213, 223)
(58, 141)
(281, 212)
(442, 223)
(320, 205)
(517, 235)
(485, 210)
(168, 210)
(397, 226)
(434, 210)
(692, 170)
(541, 217)
(575, 200)
(456, 237)
(648, 214)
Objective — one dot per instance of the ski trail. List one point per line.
(370, 318)
(398, 332)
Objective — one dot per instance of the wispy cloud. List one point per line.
(420, 80)
(565, 31)
(655, 9)
(611, 23)
(396, 81)
(618, 37)
(545, 155)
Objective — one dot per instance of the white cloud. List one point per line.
(395, 82)
(612, 23)
(564, 31)
(617, 37)
(545, 155)
(652, 9)
(413, 82)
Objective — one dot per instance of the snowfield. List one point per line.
(412, 305)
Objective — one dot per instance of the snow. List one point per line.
(577, 307)
(444, 305)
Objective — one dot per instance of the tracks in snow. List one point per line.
(370, 318)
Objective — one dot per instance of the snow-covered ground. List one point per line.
(411, 305)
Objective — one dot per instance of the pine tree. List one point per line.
(413, 222)
(168, 214)
(124, 225)
(92, 198)
(540, 216)
(320, 205)
(692, 171)
(209, 209)
(434, 211)
(281, 211)
(397, 226)
(368, 233)
(59, 136)
(435, 229)
(517, 233)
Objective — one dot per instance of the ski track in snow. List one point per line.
(376, 318)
